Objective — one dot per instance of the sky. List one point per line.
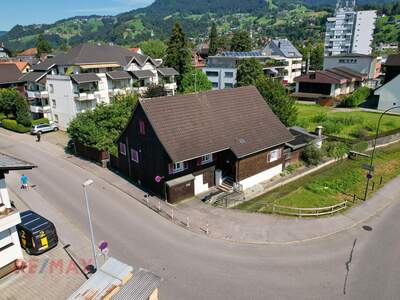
(26, 12)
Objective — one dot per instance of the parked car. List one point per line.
(36, 233)
(42, 128)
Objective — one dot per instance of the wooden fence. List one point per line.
(308, 212)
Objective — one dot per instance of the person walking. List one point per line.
(24, 182)
(38, 135)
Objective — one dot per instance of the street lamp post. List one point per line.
(85, 185)
(371, 164)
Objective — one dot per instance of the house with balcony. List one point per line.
(90, 74)
(37, 94)
(181, 146)
(10, 248)
(279, 60)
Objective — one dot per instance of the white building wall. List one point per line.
(222, 80)
(389, 95)
(199, 186)
(64, 108)
(365, 65)
(260, 177)
(363, 32)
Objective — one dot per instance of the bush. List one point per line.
(360, 133)
(320, 117)
(14, 126)
(331, 127)
(312, 155)
(2, 116)
(40, 121)
(336, 149)
(356, 98)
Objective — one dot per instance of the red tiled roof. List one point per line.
(29, 52)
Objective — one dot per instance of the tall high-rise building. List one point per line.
(349, 31)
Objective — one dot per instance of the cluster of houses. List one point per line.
(66, 84)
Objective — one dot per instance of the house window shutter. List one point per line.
(199, 161)
(269, 157)
(142, 128)
(185, 165)
(170, 168)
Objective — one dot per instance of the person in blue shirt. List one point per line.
(24, 181)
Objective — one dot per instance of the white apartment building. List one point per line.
(279, 59)
(89, 74)
(10, 248)
(349, 31)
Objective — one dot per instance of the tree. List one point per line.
(241, 41)
(99, 128)
(179, 56)
(42, 45)
(22, 113)
(312, 155)
(317, 57)
(248, 71)
(213, 46)
(154, 48)
(278, 99)
(195, 81)
(12, 102)
(155, 91)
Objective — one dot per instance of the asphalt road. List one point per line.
(357, 264)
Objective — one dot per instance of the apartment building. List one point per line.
(10, 248)
(279, 59)
(349, 31)
(88, 74)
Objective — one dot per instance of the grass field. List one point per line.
(330, 185)
(350, 125)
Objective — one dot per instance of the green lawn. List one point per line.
(351, 125)
(331, 185)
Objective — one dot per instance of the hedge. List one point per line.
(14, 126)
(40, 121)
(358, 97)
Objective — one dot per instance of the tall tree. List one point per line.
(278, 99)
(241, 41)
(195, 81)
(248, 71)
(154, 48)
(179, 56)
(42, 45)
(213, 46)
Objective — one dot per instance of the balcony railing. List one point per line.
(39, 108)
(9, 217)
(38, 94)
(84, 96)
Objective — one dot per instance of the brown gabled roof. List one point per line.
(85, 78)
(347, 72)
(321, 77)
(192, 125)
(9, 73)
(29, 52)
(21, 65)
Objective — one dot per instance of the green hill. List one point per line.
(299, 20)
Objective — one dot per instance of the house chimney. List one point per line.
(318, 131)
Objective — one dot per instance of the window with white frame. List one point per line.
(274, 155)
(5, 238)
(178, 167)
(122, 148)
(205, 159)
(135, 155)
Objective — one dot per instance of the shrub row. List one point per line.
(14, 126)
(356, 98)
(40, 121)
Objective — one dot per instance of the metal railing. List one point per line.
(309, 212)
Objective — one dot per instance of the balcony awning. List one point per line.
(118, 75)
(142, 74)
(272, 71)
(167, 72)
(98, 66)
(85, 78)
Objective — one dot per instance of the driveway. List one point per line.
(354, 264)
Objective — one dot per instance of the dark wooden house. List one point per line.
(180, 146)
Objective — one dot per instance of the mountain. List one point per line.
(2, 32)
(297, 19)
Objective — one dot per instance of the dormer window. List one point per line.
(205, 159)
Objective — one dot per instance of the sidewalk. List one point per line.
(238, 226)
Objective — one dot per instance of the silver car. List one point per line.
(42, 128)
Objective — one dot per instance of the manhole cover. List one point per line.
(367, 228)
